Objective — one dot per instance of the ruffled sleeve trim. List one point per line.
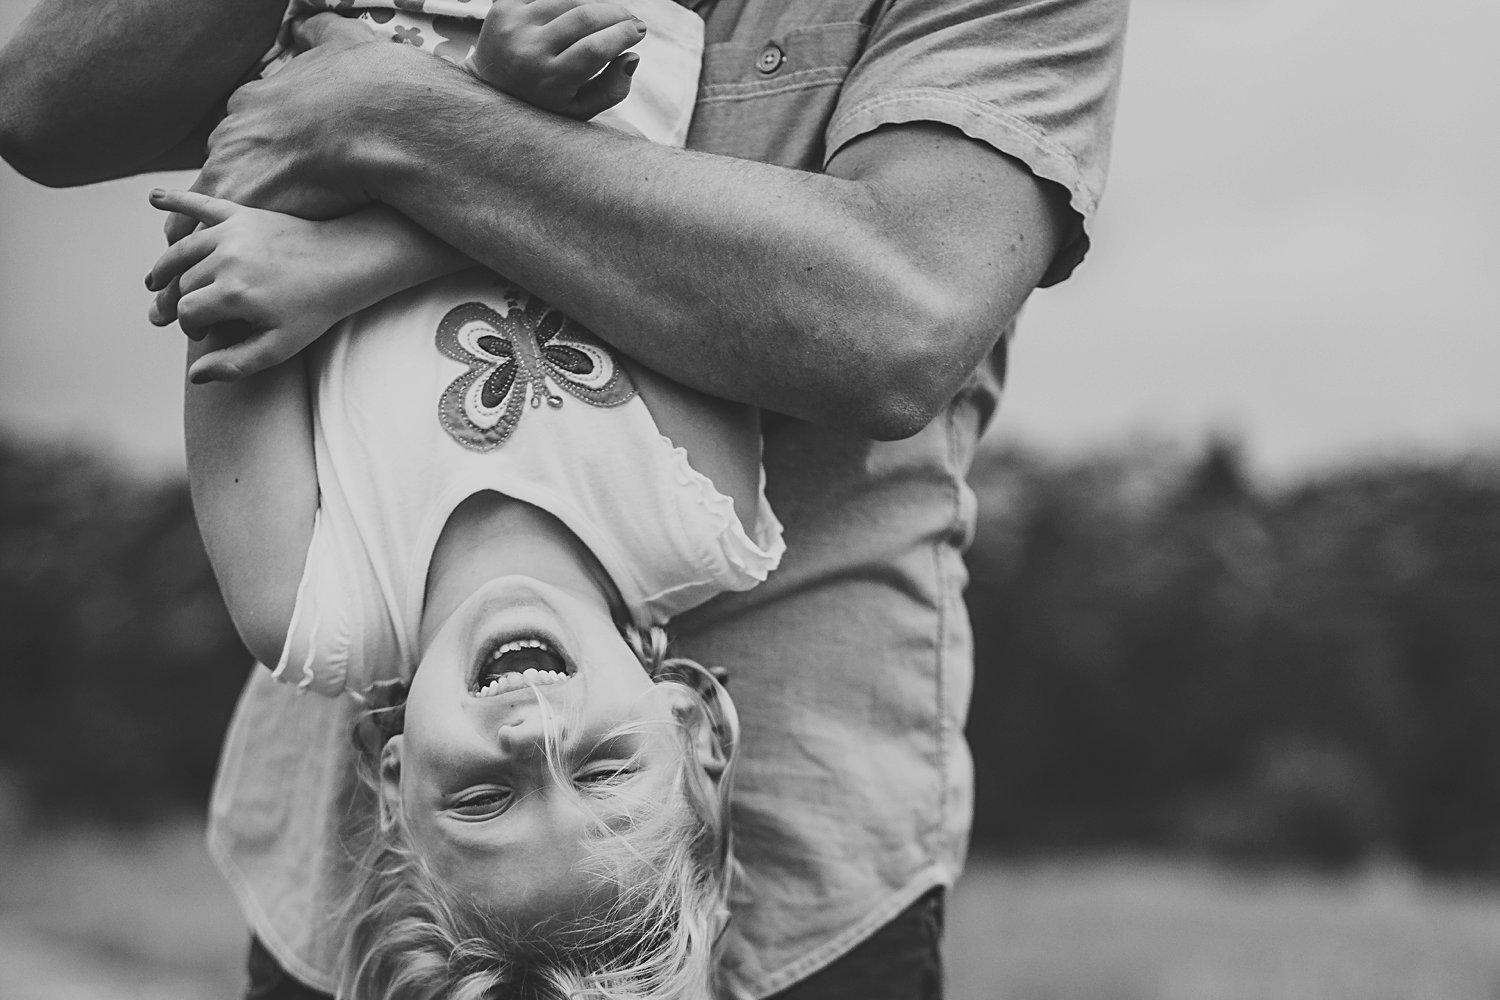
(744, 561)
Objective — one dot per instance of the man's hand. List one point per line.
(564, 56)
(279, 145)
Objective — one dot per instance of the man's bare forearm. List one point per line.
(90, 91)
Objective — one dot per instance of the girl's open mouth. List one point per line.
(518, 663)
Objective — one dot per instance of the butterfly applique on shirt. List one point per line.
(515, 358)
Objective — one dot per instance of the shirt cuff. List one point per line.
(985, 123)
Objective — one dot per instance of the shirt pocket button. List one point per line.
(770, 59)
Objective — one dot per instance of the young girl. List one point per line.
(462, 495)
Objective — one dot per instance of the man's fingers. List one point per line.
(605, 90)
(323, 31)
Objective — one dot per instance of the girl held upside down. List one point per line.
(462, 509)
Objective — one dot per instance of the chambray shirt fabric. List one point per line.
(852, 665)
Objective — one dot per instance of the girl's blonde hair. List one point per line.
(665, 867)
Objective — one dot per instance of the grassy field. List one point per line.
(96, 916)
(1153, 930)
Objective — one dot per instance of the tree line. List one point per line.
(1168, 655)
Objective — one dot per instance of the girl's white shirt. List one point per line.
(466, 385)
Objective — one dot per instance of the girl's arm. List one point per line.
(283, 281)
(255, 492)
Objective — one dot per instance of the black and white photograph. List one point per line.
(749, 500)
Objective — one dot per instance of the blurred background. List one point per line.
(1236, 586)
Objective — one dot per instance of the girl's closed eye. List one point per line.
(606, 774)
(481, 803)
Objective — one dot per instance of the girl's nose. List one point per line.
(521, 736)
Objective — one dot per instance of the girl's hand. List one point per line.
(564, 56)
(264, 271)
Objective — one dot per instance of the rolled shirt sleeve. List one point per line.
(1036, 80)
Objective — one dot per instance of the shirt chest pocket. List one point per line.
(771, 99)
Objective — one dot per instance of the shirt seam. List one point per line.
(802, 79)
(955, 524)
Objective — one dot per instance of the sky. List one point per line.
(1299, 248)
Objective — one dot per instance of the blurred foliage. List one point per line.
(1168, 656)
(121, 666)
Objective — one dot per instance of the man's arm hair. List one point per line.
(90, 91)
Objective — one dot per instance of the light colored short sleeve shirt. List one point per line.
(852, 665)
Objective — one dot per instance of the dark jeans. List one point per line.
(901, 961)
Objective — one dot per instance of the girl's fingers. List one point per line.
(591, 53)
(205, 208)
(165, 306)
(178, 226)
(198, 312)
(163, 309)
(534, 12)
(185, 253)
(605, 90)
(229, 364)
(605, 30)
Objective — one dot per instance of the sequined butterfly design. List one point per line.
(517, 357)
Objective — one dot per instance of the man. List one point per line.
(873, 187)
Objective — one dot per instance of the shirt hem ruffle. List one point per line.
(754, 558)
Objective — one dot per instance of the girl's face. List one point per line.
(470, 774)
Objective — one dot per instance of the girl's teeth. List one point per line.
(531, 677)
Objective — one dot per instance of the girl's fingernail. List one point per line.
(631, 65)
(199, 378)
(639, 24)
(157, 193)
(149, 286)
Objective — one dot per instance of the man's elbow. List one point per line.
(31, 159)
(915, 364)
(894, 414)
(29, 140)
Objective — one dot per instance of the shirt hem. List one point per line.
(985, 123)
(260, 923)
(932, 877)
